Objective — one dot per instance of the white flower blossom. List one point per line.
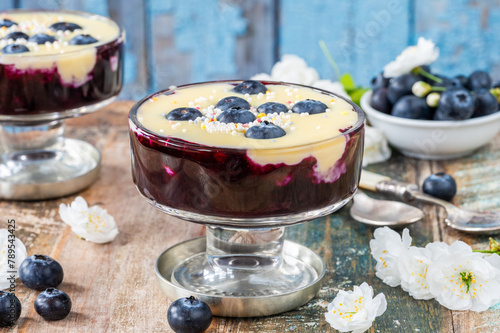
(376, 147)
(294, 69)
(94, 224)
(464, 280)
(355, 310)
(387, 246)
(413, 266)
(14, 251)
(424, 53)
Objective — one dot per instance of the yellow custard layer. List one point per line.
(306, 135)
(73, 62)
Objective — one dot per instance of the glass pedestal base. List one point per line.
(244, 263)
(38, 163)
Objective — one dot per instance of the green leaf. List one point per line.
(348, 82)
(357, 93)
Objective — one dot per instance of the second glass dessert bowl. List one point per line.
(245, 190)
(53, 66)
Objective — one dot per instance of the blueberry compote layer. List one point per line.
(201, 167)
(59, 61)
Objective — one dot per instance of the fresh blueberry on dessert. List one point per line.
(65, 26)
(250, 87)
(40, 272)
(479, 80)
(379, 81)
(412, 107)
(189, 315)
(184, 114)
(401, 86)
(310, 106)
(265, 130)
(17, 35)
(272, 107)
(455, 104)
(84, 39)
(10, 309)
(232, 101)
(53, 304)
(41, 39)
(236, 115)
(14, 48)
(380, 101)
(440, 185)
(486, 103)
(7, 23)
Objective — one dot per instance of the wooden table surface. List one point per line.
(113, 286)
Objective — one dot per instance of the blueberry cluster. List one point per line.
(427, 96)
(39, 272)
(42, 38)
(236, 110)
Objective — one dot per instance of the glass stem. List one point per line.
(32, 138)
(234, 248)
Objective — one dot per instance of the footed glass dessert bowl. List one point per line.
(246, 159)
(53, 66)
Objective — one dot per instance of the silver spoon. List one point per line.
(383, 212)
(457, 218)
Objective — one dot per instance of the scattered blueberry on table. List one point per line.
(40, 272)
(440, 185)
(189, 315)
(53, 304)
(10, 309)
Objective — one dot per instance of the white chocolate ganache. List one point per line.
(305, 135)
(70, 49)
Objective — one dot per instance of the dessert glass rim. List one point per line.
(119, 37)
(178, 142)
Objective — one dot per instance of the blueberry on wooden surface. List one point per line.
(10, 309)
(40, 272)
(189, 315)
(53, 304)
(440, 185)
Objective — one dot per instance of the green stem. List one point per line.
(438, 89)
(328, 56)
(420, 71)
(484, 251)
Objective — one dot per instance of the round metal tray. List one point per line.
(228, 306)
(56, 179)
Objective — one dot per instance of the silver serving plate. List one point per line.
(236, 306)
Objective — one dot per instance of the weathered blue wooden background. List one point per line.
(171, 42)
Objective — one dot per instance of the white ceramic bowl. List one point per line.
(432, 139)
